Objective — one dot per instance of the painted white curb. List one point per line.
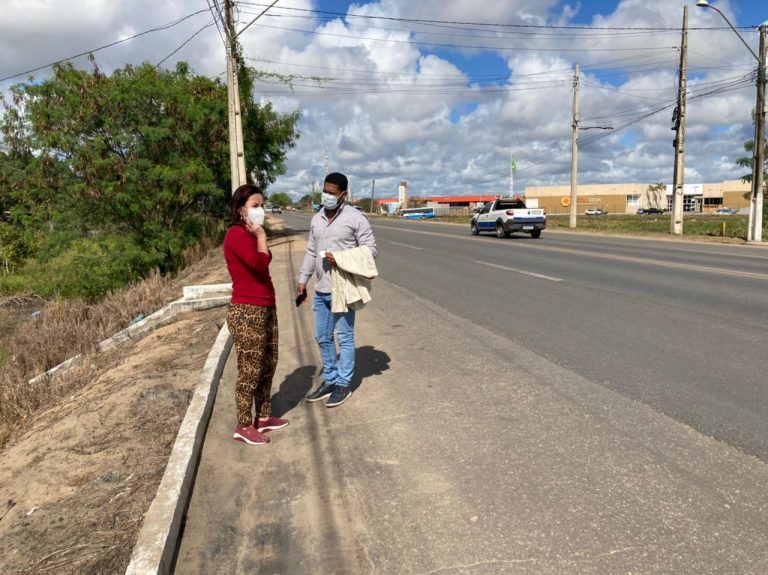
(158, 319)
(196, 292)
(156, 544)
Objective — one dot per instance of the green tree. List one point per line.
(280, 199)
(141, 154)
(267, 135)
(746, 162)
(14, 249)
(143, 148)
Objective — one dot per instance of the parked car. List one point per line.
(727, 211)
(650, 211)
(595, 212)
(277, 209)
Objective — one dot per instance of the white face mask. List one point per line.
(256, 216)
(329, 201)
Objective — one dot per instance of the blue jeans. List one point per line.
(337, 370)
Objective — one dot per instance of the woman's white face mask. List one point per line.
(256, 216)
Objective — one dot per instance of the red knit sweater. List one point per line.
(249, 269)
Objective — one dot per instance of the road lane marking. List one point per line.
(519, 271)
(646, 261)
(407, 246)
(652, 262)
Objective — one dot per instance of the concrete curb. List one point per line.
(155, 546)
(194, 299)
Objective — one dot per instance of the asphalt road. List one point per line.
(679, 326)
(474, 446)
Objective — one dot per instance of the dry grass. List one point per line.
(65, 329)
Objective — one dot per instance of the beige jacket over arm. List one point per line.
(351, 279)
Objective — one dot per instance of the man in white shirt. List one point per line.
(336, 227)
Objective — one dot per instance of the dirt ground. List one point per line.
(75, 486)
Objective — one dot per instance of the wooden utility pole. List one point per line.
(678, 178)
(574, 148)
(236, 148)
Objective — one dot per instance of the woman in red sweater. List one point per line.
(252, 315)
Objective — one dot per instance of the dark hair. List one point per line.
(339, 180)
(239, 197)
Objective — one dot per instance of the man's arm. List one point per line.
(364, 236)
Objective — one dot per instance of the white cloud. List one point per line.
(403, 100)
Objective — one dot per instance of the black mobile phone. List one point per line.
(300, 298)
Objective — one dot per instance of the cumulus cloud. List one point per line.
(428, 92)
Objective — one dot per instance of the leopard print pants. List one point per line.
(254, 331)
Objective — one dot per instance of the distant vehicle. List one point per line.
(727, 211)
(277, 209)
(507, 215)
(595, 212)
(650, 211)
(417, 213)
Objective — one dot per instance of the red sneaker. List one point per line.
(270, 424)
(250, 435)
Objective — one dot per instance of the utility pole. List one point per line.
(373, 187)
(512, 170)
(236, 148)
(574, 148)
(678, 178)
(755, 231)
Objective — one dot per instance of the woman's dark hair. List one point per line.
(239, 197)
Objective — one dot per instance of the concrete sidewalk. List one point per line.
(460, 452)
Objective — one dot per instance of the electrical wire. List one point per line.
(483, 33)
(489, 24)
(187, 41)
(454, 46)
(218, 17)
(157, 29)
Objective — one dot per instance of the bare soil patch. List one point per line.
(78, 478)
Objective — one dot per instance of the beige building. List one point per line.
(628, 198)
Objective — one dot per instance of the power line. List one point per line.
(187, 41)
(492, 24)
(159, 28)
(461, 46)
(215, 9)
(257, 17)
(483, 33)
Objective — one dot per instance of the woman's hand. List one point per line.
(255, 230)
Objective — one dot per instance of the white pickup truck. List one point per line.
(506, 215)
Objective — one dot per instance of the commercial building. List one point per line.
(613, 198)
(628, 198)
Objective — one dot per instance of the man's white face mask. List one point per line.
(330, 201)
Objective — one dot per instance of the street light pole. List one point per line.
(755, 229)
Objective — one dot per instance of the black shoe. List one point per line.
(338, 396)
(321, 392)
